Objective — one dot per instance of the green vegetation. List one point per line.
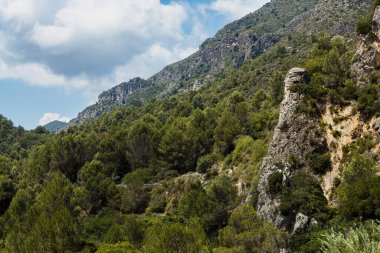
(173, 174)
(247, 232)
(365, 238)
(364, 25)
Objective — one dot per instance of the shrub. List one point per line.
(176, 237)
(319, 163)
(205, 162)
(247, 232)
(359, 191)
(364, 25)
(275, 182)
(122, 247)
(303, 194)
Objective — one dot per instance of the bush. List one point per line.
(319, 163)
(122, 247)
(275, 183)
(359, 191)
(364, 25)
(303, 194)
(176, 237)
(247, 232)
(205, 162)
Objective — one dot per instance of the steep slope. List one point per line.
(236, 43)
(340, 126)
(269, 28)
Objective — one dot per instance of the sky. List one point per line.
(57, 56)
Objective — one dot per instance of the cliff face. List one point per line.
(119, 93)
(292, 140)
(297, 135)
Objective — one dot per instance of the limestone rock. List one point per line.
(376, 125)
(376, 23)
(292, 138)
(301, 222)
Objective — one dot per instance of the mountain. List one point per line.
(280, 154)
(238, 42)
(55, 126)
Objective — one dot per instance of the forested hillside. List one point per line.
(189, 172)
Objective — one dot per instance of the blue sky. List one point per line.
(57, 56)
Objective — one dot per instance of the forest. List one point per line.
(180, 173)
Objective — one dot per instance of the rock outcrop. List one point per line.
(119, 93)
(368, 51)
(293, 139)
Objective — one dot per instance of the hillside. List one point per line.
(278, 154)
(238, 42)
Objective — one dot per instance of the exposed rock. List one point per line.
(292, 138)
(300, 222)
(119, 93)
(376, 23)
(368, 50)
(376, 125)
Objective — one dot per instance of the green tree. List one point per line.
(176, 238)
(121, 247)
(359, 191)
(227, 129)
(143, 141)
(49, 224)
(248, 233)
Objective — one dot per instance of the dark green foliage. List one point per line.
(176, 237)
(247, 232)
(16, 141)
(123, 247)
(6, 192)
(205, 162)
(134, 195)
(319, 163)
(364, 25)
(359, 191)
(275, 182)
(143, 141)
(276, 83)
(96, 186)
(303, 194)
(46, 223)
(227, 129)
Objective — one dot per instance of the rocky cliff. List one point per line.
(293, 139)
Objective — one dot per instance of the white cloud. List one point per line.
(85, 20)
(39, 75)
(50, 117)
(235, 9)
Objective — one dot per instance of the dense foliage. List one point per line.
(174, 174)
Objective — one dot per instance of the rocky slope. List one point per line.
(269, 28)
(292, 141)
(239, 41)
(336, 129)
